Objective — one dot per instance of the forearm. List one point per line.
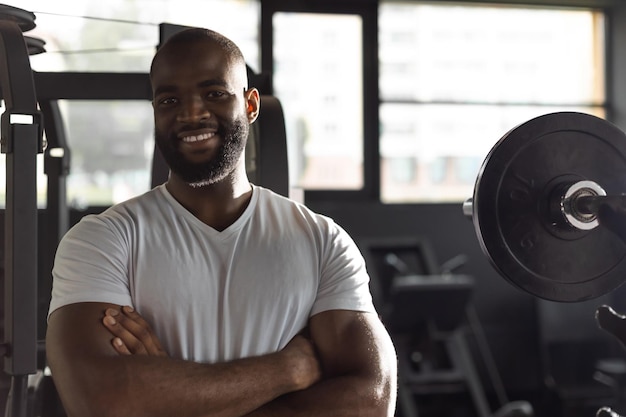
(151, 386)
(94, 380)
(343, 396)
(359, 367)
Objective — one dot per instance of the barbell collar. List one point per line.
(468, 208)
(576, 210)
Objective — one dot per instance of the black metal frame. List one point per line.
(368, 11)
(21, 141)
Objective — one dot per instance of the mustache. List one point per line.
(200, 125)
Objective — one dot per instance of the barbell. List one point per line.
(549, 206)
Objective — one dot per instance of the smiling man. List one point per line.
(243, 302)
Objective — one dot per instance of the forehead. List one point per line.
(195, 62)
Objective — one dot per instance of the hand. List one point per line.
(133, 334)
(306, 365)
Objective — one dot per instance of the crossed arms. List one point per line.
(347, 368)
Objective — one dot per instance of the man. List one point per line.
(243, 302)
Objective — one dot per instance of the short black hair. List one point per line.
(202, 34)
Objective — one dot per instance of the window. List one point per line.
(111, 141)
(111, 144)
(455, 78)
(318, 78)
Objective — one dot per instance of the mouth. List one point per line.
(191, 137)
(198, 144)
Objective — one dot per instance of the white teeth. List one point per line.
(197, 138)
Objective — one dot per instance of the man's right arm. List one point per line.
(94, 380)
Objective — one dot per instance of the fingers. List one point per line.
(133, 335)
(306, 367)
(125, 341)
(118, 344)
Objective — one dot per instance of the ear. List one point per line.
(253, 104)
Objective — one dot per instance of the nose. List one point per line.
(193, 110)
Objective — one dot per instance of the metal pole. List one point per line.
(21, 128)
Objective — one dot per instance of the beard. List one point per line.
(197, 174)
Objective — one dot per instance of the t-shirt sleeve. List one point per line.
(344, 283)
(91, 265)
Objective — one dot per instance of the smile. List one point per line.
(197, 138)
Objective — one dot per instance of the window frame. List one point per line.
(368, 11)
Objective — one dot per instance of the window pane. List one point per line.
(455, 78)
(121, 36)
(111, 146)
(490, 54)
(428, 157)
(318, 78)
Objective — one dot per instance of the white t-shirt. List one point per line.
(213, 296)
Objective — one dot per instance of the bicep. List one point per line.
(351, 342)
(76, 340)
(77, 329)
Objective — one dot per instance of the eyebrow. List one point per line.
(206, 83)
(212, 82)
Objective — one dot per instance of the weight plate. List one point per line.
(512, 199)
(35, 45)
(24, 19)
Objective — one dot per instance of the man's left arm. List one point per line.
(358, 360)
(359, 370)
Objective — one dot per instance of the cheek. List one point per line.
(163, 122)
(236, 109)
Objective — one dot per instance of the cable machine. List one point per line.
(22, 140)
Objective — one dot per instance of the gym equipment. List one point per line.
(409, 288)
(536, 201)
(606, 412)
(549, 211)
(21, 141)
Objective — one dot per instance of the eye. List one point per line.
(216, 95)
(167, 101)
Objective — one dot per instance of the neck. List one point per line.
(218, 205)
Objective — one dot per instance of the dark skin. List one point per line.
(133, 336)
(344, 366)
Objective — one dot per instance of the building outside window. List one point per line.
(455, 78)
(318, 78)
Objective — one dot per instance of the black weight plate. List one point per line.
(510, 206)
(24, 19)
(35, 45)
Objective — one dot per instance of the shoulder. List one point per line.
(289, 210)
(290, 216)
(147, 202)
(119, 218)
